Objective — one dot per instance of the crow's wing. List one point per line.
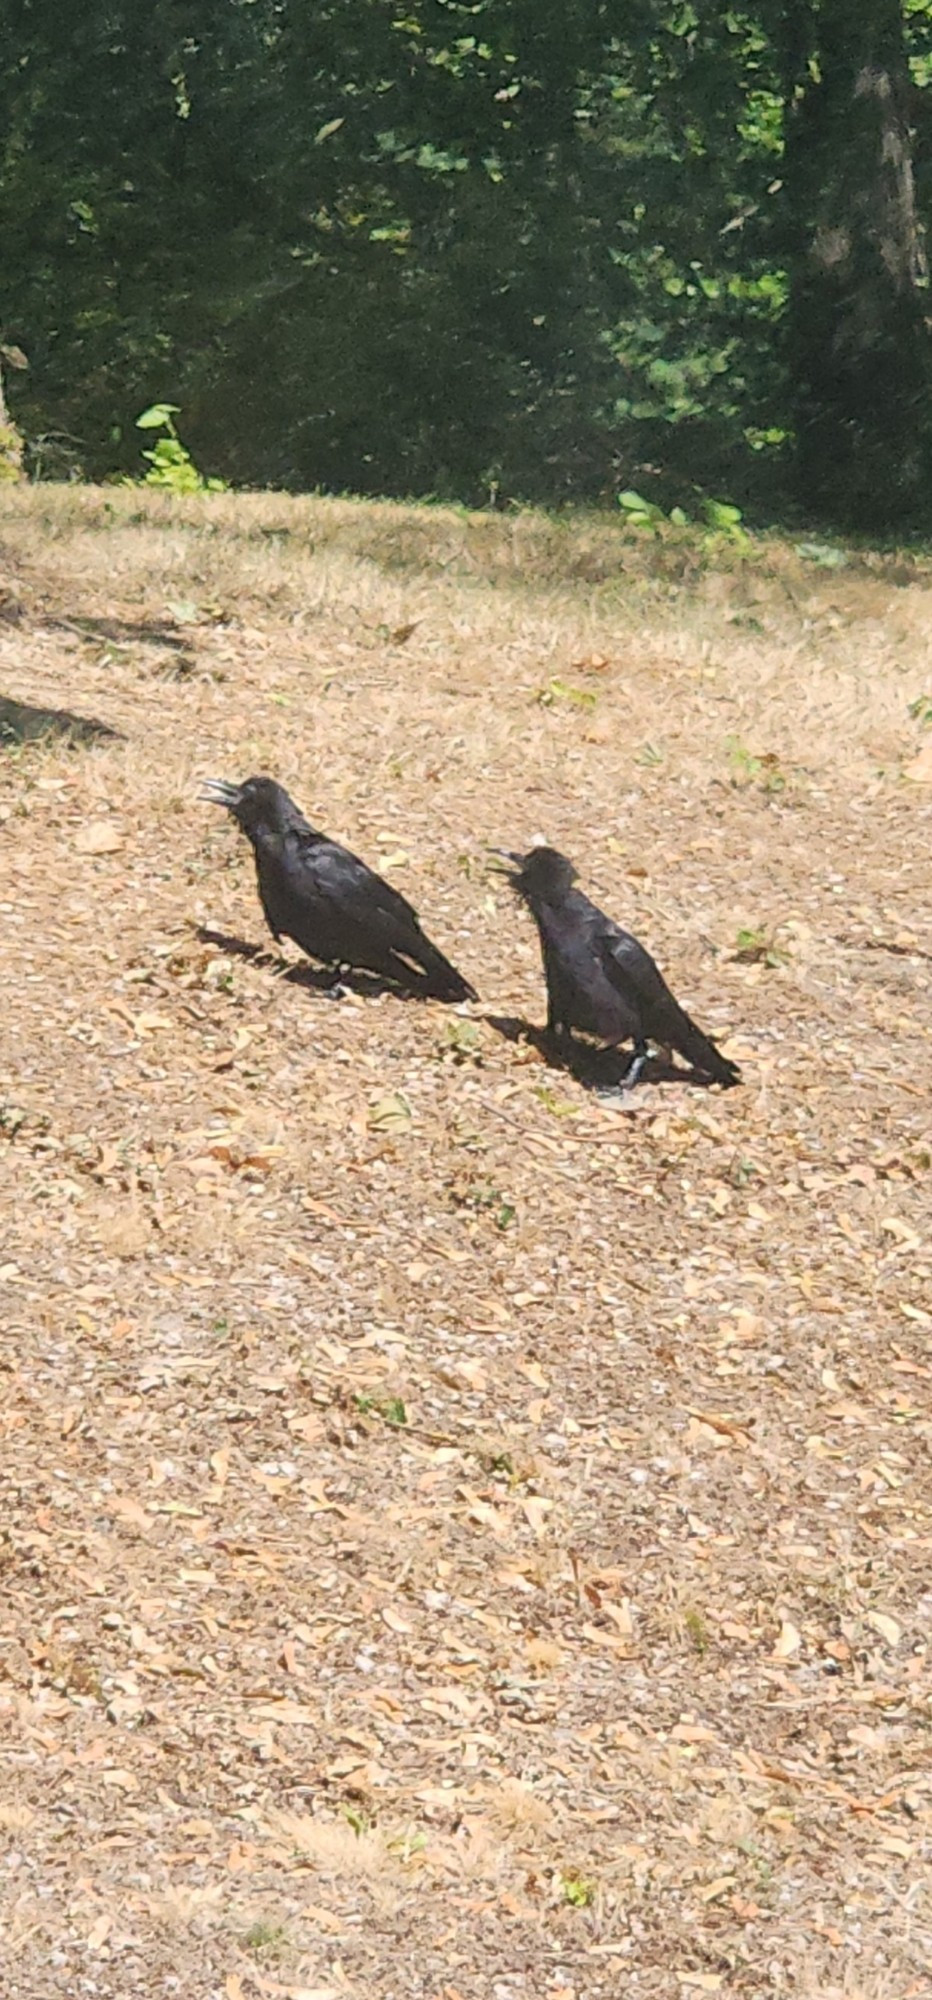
(579, 994)
(634, 974)
(354, 894)
(337, 908)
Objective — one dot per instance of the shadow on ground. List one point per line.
(317, 979)
(595, 1068)
(123, 631)
(20, 722)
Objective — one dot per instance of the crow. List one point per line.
(326, 900)
(600, 980)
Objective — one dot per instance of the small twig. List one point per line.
(897, 1082)
(543, 1139)
(888, 945)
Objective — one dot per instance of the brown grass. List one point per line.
(607, 1672)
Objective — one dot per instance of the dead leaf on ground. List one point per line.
(920, 768)
(98, 837)
(787, 1642)
(391, 1113)
(886, 1626)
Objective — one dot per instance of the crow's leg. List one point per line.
(336, 989)
(635, 1067)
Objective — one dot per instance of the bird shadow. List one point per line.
(121, 630)
(595, 1068)
(315, 979)
(21, 722)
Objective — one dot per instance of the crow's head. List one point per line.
(541, 875)
(258, 803)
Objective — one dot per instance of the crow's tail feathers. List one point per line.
(442, 979)
(703, 1054)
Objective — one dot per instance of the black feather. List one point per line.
(329, 902)
(600, 980)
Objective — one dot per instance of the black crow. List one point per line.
(600, 981)
(330, 903)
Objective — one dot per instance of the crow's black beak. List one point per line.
(217, 792)
(505, 854)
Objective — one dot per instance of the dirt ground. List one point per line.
(463, 1538)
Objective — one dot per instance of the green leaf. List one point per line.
(156, 416)
(391, 1409)
(822, 554)
(557, 690)
(719, 514)
(577, 1891)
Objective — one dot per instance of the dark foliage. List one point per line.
(484, 251)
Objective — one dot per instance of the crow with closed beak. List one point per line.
(325, 899)
(600, 980)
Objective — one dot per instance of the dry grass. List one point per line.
(609, 1670)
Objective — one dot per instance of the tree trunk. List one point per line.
(859, 343)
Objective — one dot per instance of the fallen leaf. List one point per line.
(99, 837)
(285, 1711)
(886, 1626)
(622, 1618)
(129, 1510)
(893, 1843)
(535, 1510)
(486, 1516)
(121, 1780)
(594, 663)
(713, 1890)
(220, 1464)
(788, 1643)
(321, 1208)
(731, 1427)
(391, 1113)
(394, 1620)
(614, 1641)
(241, 1857)
(920, 769)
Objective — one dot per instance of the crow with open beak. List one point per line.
(600, 980)
(329, 902)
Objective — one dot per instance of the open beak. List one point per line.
(217, 792)
(505, 854)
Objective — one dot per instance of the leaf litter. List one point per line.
(458, 1539)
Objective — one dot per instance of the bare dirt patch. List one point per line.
(461, 1538)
